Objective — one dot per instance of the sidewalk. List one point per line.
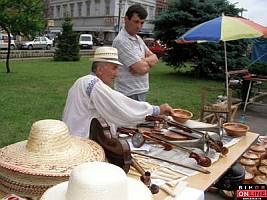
(256, 117)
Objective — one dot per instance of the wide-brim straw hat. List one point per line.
(45, 159)
(106, 54)
(98, 180)
(26, 185)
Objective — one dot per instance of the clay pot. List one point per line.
(235, 129)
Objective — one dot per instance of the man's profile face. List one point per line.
(108, 73)
(134, 25)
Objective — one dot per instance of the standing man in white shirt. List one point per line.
(136, 58)
(91, 96)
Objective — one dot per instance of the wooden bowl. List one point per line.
(252, 169)
(181, 115)
(263, 162)
(248, 178)
(258, 148)
(263, 170)
(235, 129)
(260, 179)
(247, 162)
(250, 155)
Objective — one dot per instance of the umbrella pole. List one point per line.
(226, 69)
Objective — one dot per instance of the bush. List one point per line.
(68, 44)
(258, 68)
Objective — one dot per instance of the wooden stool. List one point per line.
(210, 111)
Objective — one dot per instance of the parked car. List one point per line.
(156, 46)
(98, 41)
(86, 41)
(53, 35)
(37, 43)
(4, 41)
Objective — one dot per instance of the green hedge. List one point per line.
(258, 69)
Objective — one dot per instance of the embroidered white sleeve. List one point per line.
(90, 86)
(117, 108)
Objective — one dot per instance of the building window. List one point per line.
(151, 13)
(107, 7)
(51, 12)
(65, 10)
(71, 9)
(58, 11)
(80, 8)
(88, 7)
(97, 7)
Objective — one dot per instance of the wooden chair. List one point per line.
(215, 106)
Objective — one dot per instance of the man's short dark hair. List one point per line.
(138, 9)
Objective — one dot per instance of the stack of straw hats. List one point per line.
(30, 167)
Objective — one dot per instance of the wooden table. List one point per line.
(203, 181)
(251, 80)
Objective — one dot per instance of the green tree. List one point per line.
(68, 44)
(21, 17)
(208, 58)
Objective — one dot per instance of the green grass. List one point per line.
(37, 89)
(177, 90)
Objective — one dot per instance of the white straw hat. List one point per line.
(106, 54)
(45, 159)
(98, 181)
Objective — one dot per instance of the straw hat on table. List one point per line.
(29, 167)
(98, 181)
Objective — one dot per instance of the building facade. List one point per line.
(161, 5)
(98, 17)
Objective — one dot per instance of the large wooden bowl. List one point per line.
(235, 129)
(181, 115)
(248, 178)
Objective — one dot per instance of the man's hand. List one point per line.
(151, 60)
(143, 66)
(140, 68)
(165, 109)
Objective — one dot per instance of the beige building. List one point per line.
(99, 17)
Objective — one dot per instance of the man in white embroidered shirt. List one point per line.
(92, 96)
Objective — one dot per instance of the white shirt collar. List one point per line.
(128, 35)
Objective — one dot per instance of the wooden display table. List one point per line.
(203, 181)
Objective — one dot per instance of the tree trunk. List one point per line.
(8, 52)
(8, 48)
